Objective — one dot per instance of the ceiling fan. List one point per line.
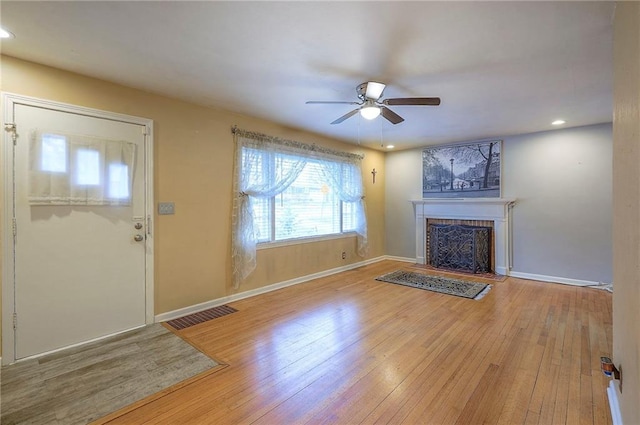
(370, 105)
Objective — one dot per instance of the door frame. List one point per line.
(9, 101)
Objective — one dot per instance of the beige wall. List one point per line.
(626, 206)
(193, 168)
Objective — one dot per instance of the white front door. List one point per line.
(79, 269)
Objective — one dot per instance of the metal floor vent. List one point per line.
(200, 317)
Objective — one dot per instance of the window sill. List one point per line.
(299, 241)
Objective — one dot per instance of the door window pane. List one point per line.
(54, 153)
(87, 167)
(118, 181)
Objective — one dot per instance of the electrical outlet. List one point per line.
(344, 255)
(166, 208)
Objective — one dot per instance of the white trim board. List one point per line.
(555, 279)
(613, 391)
(403, 259)
(170, 315)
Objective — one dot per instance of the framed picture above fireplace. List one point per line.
(469, 170)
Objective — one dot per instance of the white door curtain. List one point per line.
(72, 169)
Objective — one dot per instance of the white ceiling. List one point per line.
(501, 68)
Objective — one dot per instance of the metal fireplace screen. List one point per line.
(460, 247)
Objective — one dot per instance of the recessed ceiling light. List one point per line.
(5, 34)
(390, 146)
(558, 122)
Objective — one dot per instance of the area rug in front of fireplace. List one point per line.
(443, 285)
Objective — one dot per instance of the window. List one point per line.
(308, 207)
(289, 190)
(68, 169)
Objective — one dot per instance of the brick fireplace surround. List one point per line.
(490, 209)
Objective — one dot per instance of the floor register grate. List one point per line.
(200, 317)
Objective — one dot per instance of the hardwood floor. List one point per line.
(349, 349)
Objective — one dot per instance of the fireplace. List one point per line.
(459, 247)
(474, 223)
(484, 212)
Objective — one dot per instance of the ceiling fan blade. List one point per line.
(391, 116)
(433, 101)
(374, 90)
(345, 116)
(330, 102)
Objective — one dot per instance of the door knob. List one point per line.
(138, 238)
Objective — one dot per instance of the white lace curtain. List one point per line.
(69, 169)
(287, 159)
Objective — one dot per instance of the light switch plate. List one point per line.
(166, 208)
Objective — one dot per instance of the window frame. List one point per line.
(272, 242)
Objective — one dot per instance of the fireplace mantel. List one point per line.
(495, 209)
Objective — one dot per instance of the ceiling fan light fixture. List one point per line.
(370, 105)
(374, 90)
(370, 112)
